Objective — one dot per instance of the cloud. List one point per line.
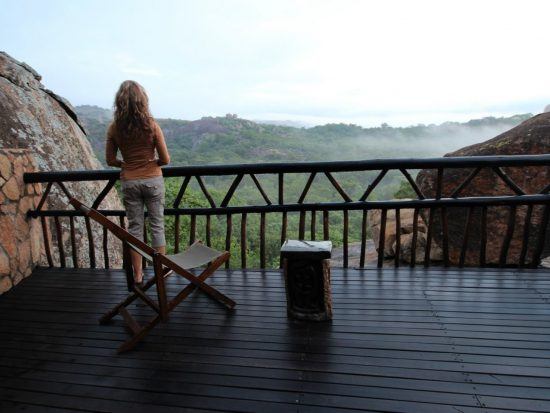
(129, 65)
(341, 60)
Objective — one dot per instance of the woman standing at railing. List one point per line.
(136, 134)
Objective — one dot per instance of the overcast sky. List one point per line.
(364, 62)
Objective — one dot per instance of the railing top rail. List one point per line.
(538, 199)
(301, 167)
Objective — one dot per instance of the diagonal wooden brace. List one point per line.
(130, 299)
(139, 334)
(198, 282)
(183, 294)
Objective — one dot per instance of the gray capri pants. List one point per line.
(149, 192)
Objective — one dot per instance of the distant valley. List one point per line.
(230, 139)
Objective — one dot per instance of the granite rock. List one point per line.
(38, 120)
(530, 137)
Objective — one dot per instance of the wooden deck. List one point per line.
(401, 341)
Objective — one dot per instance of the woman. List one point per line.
(136, 134)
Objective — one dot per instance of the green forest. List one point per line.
(232, 140)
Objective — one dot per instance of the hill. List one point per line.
(230, 139)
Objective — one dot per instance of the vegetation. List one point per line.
(231, 140)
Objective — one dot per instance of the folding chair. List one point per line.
(164, 265)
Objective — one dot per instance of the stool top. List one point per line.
(322, 249)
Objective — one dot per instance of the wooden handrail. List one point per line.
(436, 206)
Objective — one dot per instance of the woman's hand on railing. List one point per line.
(117, 163)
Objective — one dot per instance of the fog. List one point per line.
(426, 142)
(437, 143)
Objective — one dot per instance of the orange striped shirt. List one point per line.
(138, 153)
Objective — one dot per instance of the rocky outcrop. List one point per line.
(43, 123)
(530, 137)
(546, 109)
(406, 218)
(20, 238)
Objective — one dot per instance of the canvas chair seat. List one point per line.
(196, 255)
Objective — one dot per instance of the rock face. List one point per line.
(530, 137)
(20, 238)
(406, 228)
(41, 122)
(546, 109)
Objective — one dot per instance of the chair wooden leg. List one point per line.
(147, 300)
(183, 294)
(130, 321)
(198, 283)
(138, 335)
(108, 316)
(164, 306)
(218, 296)
(161, 288)
(210, 292)
(127, 265)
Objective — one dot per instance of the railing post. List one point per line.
(440, 204)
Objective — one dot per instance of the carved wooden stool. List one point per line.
(306, 267)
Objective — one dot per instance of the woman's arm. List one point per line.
(162, 150)
(111, 150)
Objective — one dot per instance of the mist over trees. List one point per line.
(232, 140)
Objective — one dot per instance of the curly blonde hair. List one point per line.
(132, 116)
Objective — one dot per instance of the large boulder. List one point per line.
(36, 119)
(406, 220)
(374, 218)
(530, 137)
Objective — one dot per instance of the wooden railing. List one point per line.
(432, 209)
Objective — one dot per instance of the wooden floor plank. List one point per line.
(402, 340)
